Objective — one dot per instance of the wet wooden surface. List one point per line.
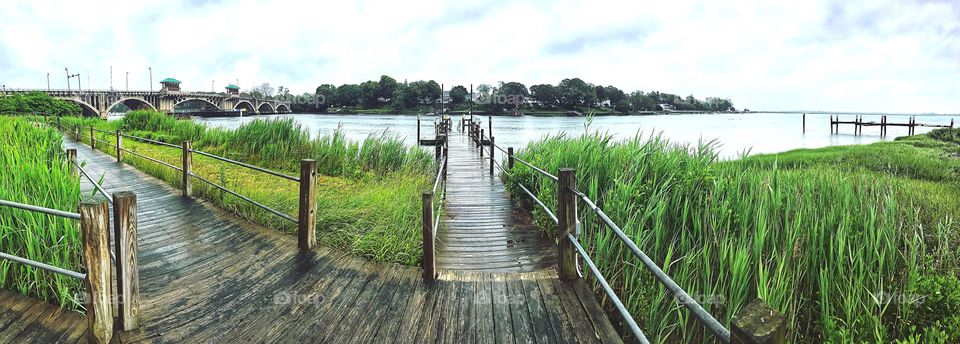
(208, 276)
(481, 229)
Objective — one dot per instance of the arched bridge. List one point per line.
(100, 102)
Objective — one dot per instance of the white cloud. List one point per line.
(832, 55)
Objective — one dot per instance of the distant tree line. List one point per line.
(568, 94)
(37, 103)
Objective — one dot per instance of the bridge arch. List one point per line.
(209, 105)
(246, 106)
(133, 104)
(283, 108)
(88, 110)
(269, 108)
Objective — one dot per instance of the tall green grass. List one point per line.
(35, 172)
(368, 192)
(820, 244)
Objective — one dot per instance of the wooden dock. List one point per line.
(859, 123)
(208, 276)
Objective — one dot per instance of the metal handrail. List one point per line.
(537, 169)
(701, 314)
(42, 266)
(544, 206)
(151, 159)
(245, 198)
(151, 141)
(632, 324)
(95, 184)
(48, 211)
(255, 168)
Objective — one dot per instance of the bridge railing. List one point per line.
(569, 249)
(94, 217)
(306, 220)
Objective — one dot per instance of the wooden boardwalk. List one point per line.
(482, 229)
(209, 276)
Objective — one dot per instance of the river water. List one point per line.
(733, 133)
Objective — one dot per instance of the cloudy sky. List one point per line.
(874, 55)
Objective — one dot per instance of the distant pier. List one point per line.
(858, 123)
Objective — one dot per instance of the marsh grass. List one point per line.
(818, 243)
(35, 172)
(368, 193)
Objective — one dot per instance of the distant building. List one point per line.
(170, 85)
(233, 90)
(667, 107)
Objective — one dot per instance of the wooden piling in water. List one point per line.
(187, 167)
(567, 216)
(492, 155)
(418, 130)
(128, 280)
(804, 123)
(94, 228)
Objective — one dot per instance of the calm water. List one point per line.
(734, 133)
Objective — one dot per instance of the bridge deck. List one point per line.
(482, 229)
(208, 276)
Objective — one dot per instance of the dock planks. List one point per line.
(209, 276)
(482, 229)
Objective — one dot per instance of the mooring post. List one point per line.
(490, 125)
(429, 265)
(492, 155)
(119, 146)
(509, 158)
(187, 166)
(567, 224)
(418, 130)
(480, 143)
(758, 323)
(307, 219)
(128, 281)
(804, 122)
(93, 139)
(72, 160)
(94, 228)
(446, 164)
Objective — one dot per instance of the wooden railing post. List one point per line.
(128, 280)
(429, 264)
(758, 323)
(93, 138)
(567, 216)
(119, 146)
(307, 221)
(72, 160)
(492, 155)
(187, 166)
(94, 227)
(480, 143)
(418, 130)
(509, 158)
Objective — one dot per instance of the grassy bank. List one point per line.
(368, 192)
(35, 172)
(853, 243)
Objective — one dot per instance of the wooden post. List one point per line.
(446, 164)
(492, 155)
(758, 323)
(418, 130)
(490, 125)
(93, 139)
(567, 216)
(509, 158)
(187, 166)
(429, 264)
(128, 281)
(59, 126)
(119, 146)
(307, 221)
(95, 227)
(480, 143)
(804, 123)
(72, 160)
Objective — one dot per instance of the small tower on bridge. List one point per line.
(170, 85)
(233, 90)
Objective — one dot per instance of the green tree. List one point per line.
(614, 95)
(431, 92)
(514, 93)
(369, 94)
(545, 94)
(348, 95)
(458, 94)
(574, 93)
(405, 97)
(387, 86)
(325, 96)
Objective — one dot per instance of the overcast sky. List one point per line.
(875, 55)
